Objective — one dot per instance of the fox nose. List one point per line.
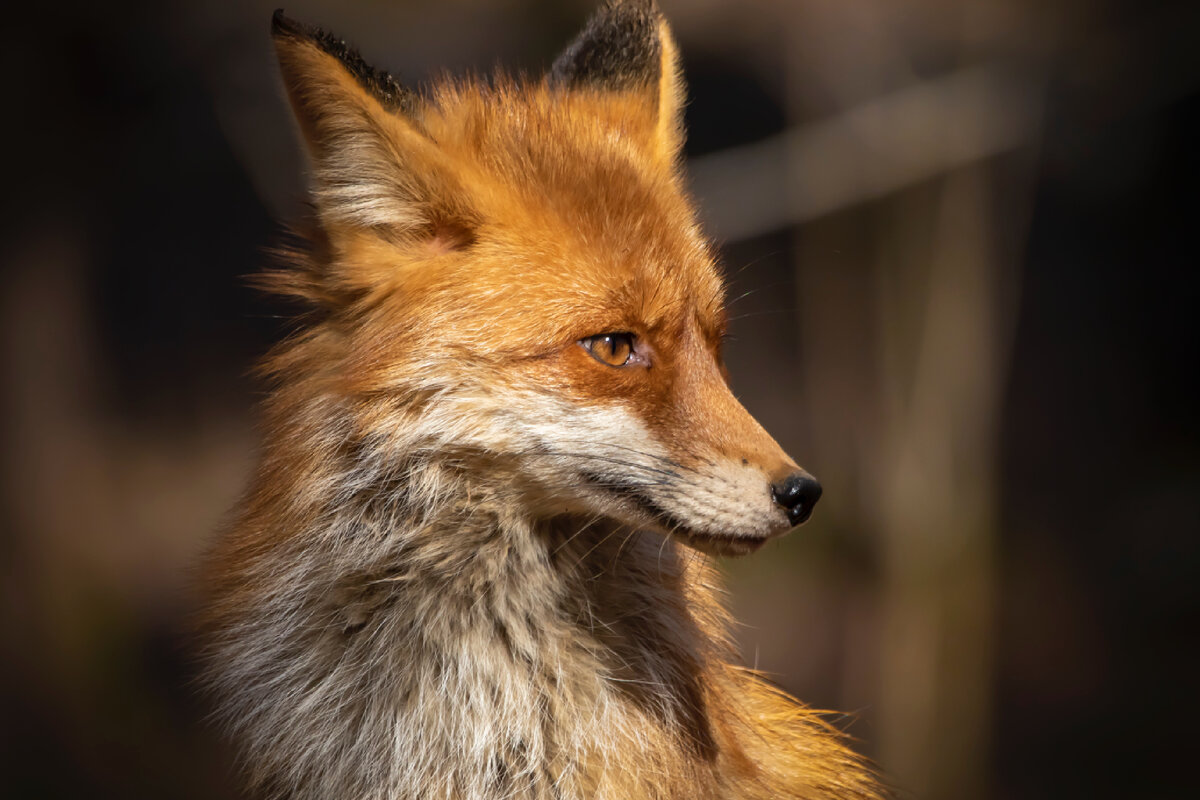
(797, 494)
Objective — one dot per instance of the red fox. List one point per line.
(471, 562)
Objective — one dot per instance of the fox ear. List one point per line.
(627, 47)
(373, 167)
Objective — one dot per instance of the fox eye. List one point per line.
(613, 349)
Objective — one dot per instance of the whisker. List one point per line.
(595, 518)
(749, 314)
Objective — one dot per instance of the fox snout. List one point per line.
(760, 478)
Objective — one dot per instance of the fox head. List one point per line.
(510, 274)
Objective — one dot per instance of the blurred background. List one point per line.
(961, 237)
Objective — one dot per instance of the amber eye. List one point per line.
(613, 349)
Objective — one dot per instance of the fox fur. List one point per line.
(473, 563)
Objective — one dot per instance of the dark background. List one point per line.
(964, 289)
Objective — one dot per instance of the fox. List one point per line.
(500, 451)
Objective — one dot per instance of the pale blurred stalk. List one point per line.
(941, 365)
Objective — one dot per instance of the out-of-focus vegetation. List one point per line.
(961, 248)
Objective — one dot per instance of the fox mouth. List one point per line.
(721, 545)
(711, 543)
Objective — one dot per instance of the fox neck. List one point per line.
(389, 622)
(516, 656)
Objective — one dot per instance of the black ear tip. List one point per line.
(638, 5)
(625, 8)
(619, 49)
(282, 25)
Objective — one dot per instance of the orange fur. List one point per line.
(471, 564)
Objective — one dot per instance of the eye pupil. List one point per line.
(613, 349)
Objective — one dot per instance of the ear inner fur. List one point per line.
(374, 168)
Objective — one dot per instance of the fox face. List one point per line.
(513, 274)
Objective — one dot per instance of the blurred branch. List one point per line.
(871, 150)
(944, 369)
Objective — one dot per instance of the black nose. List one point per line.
(797, 493)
